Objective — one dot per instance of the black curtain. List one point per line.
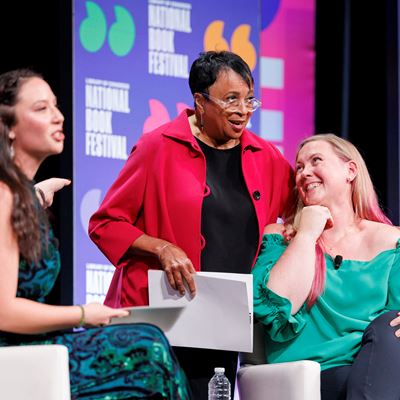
(357, 85)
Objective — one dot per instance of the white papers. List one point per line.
(220, 316)
(164, 317)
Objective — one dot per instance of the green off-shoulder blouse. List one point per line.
(331, 331)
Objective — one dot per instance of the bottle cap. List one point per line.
(219, 370)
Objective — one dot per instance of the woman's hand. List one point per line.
(314, 220)
(289, 232)
(48, 187)
(396, 322)
(178, 267)
(96, 314)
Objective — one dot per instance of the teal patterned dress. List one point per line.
(127, 361)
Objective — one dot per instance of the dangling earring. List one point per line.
(201, 122)
(348, 180)
(11, 138)
(12, 151)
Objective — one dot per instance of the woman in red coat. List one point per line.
(194, 195)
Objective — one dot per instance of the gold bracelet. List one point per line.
(82, 320)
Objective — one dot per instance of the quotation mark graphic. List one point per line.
(93, 30)
(240, 41)
(159, 114)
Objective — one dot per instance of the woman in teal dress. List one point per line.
(106, 362)
(327, 286)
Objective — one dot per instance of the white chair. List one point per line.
(34, 373)
(297, 380)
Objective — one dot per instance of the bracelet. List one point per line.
(82, 320)
(41, 194)
(165, 245)
(162, 248)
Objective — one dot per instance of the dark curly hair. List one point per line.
(26, 215)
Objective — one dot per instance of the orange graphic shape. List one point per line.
(213, 39)
(240, 44)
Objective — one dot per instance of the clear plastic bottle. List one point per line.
(219, 387)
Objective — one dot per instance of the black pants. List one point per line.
(374, 374)
(199, 365)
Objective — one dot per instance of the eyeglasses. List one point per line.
(232, 103)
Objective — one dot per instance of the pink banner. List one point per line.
(287, 72)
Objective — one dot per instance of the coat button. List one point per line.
(256, 195)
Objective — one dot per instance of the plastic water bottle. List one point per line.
(219, 387)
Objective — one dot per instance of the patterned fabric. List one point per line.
(132, 361)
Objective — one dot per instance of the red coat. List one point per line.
(160, 191)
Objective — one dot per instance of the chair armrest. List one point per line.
(34, 372)
(297, 380)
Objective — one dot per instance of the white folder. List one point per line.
(220, 316)
(164, 316)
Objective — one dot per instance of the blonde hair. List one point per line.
(363, 195)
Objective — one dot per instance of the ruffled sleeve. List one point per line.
(269, 308)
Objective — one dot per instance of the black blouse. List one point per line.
(229, 223)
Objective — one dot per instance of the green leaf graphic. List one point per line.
(122, 33)
(93, 29)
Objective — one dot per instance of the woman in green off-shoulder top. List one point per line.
(327, 286)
